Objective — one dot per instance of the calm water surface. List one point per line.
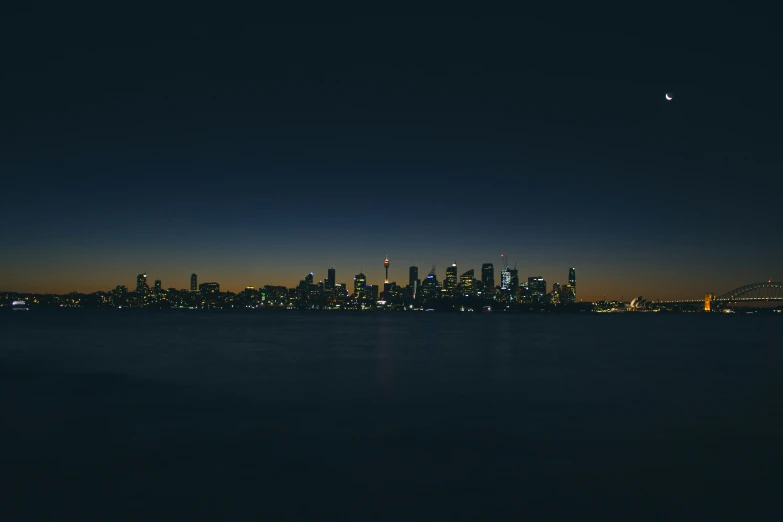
(412, 416)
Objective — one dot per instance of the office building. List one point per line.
(505, 279)
(450, 283)
(466, 283)
(209, 288)
(568, 294)
(413, 280)
(430, 287)
(339, 290)
(157, 286)
(329, 284)
(488, 276)
(371, 292)
(536, 288)
(572, 281)
(514, 280)
(141, 284)
(413, 275)
(359, 282)
(524, 291)
(193, 283)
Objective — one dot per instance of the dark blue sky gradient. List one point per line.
(254, 153)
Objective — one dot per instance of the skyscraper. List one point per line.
(330, 279)
(430, 287)
(413, 275)
(141, 284)
(568, 294)
(157, 286)
(536, 288)
(466, 280)
(450, 283)
(572, 280)
(514, 280)
(505, 275)
(505, 279)
(386, 265)
(359, 282)
(488, 276)
(193, 283)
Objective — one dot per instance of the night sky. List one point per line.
(253, 150)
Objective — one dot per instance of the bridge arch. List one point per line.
(769, 290)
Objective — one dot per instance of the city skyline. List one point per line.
(164, 150)
(587, 292)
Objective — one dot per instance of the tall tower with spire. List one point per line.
(386, 265)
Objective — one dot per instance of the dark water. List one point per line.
(415, 416)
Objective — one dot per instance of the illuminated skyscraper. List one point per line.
(329, 284)
(450, 283)
(572, 280)
(157, 286)
(466, 280)
(488, 276)
(536, 288)
(505, 279)
(359, 282)
(514, 281)
(193, 283)
(568, 294)
(430, 287)
(141, 284)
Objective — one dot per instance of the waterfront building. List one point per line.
(413, 281)
(568, 294)
(514, 281)
(505, 279)
(450, 283)
(209, 288)
(141, 284)
(467, 283)
(359, 282)
(413, 275)
(371, 292)
(536, 288)
(430, 287)
(488, 276)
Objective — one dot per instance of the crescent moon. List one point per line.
(668, 97)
